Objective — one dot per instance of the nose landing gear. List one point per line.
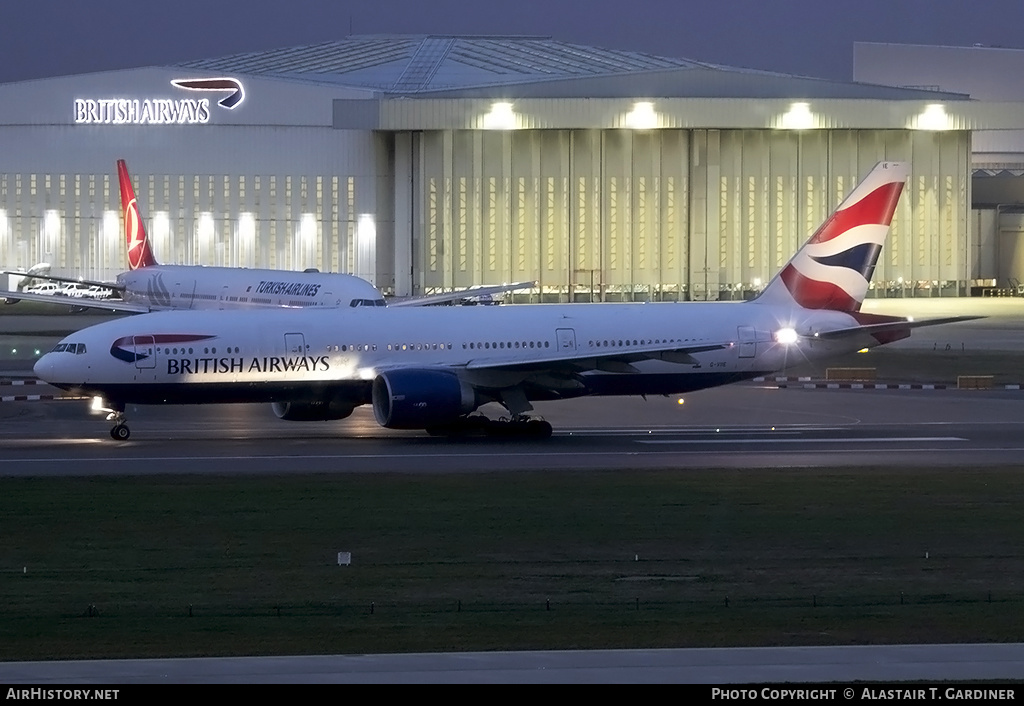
(120, 431)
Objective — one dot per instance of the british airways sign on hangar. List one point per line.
(160, 111)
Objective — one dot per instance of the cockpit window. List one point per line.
(367, 302)
(81, 349)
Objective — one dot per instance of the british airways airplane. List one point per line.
(149, 286)
(430, 369)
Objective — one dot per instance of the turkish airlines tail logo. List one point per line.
(833, 269)
(139, 252)
(236, 96)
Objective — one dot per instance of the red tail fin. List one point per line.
(139, 252)
(833, 269)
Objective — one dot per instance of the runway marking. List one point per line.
(380, 456)
(769, 440)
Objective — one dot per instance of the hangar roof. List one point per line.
(477, 66)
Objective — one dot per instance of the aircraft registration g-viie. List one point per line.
(431, 368)
(149, 286)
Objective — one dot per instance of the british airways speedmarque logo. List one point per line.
(236, 94)
(132, 349)
(122, 110)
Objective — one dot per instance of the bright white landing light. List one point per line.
(786, 336)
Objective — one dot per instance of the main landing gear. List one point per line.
(517, 424)
(479, 425)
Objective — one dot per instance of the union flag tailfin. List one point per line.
(833, 268)
(140, 254)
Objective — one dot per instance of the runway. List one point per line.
(742, 426)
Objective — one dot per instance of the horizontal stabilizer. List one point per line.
(69, 280)
(899, 324)
(76, 302)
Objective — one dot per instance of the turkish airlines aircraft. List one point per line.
(149, 286)
(431, 368)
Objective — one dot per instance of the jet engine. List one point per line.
(417, 399)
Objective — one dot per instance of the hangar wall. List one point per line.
(620, 215)
(244, 196)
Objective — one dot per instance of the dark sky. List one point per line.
(45, 38)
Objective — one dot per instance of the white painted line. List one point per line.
(769, 440)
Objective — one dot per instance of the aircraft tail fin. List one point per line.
(140, 254)
(833, 268)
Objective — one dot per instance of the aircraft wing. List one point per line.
(613, 360)
(69, 280)
(897, 324)
(469, 293)
(76, 302)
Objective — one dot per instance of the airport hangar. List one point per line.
(425, 163)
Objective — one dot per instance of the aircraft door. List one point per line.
(748, 341)
(566, 338)
(145, 352)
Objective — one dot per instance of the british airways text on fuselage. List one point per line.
(266, 364)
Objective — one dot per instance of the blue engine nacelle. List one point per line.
(417, 399)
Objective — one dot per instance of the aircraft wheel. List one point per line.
(120, 432)
(539, 428)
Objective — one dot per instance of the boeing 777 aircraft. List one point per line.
(149, 286)
(432, 368)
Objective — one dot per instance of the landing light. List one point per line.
(99, 405)
(680, 400)
(786, 336)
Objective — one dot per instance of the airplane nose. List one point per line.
(44, 368)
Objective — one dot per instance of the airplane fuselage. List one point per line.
(272, 356)
(161, 287)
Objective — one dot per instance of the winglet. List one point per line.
(140, 254)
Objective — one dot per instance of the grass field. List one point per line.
(118, 567)
(926, 366)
